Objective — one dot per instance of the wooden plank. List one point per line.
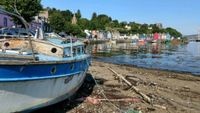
(16, 56)
(145, 97)
(14, 43)
(31, 62)
(46, 48)
(39, 46)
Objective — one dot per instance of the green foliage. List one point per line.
(123, 31)
(83, 23)
(173, 32)
(101, 22)
(60, 21)
(78, 14)
(76, 30)
(57, 21)
(67, 15)
(26, 8)
(94, 16)
(143, 29)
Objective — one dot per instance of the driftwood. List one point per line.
(145, 97)
(134, 79)
(159, 106)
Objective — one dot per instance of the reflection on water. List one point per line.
(194, 48)
(183, 58)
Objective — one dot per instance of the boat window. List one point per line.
(53, 50)
(53, 70)
(78, 50)
(74, 51)
(67, 52)
(5, 20)
(83, 49)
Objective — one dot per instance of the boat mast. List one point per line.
(71, 42)
(26, 27)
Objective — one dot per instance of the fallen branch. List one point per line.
(134, 80)
(145, 97)
(159, 106)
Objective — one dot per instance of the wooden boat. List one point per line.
(38, 72)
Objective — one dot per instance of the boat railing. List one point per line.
(17, 15)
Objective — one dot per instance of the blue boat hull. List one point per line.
(34, 86)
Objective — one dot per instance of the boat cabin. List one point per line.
(54, 47)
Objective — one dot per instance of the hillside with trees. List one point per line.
(61, 20)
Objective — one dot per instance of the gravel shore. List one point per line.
(170, 92)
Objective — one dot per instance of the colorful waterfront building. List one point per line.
(168, 36)
(163, 36)
(6, 21)
(156, 36)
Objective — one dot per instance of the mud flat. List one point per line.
(170, 92)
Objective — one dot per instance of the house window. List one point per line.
(5, 21)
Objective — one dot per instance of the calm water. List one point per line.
(176, 57)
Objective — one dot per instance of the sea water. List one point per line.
(174, 57)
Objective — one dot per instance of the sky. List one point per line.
(183, 15)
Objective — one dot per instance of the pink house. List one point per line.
(5, 21)
(156, 36)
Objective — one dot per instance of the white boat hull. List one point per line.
(27, 95)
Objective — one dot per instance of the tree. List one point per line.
(92, 25)
(155, 29)
(173, 32)
(57, 22)
(123, 24)
(84, 23)
(134, 27)
(67, 15)
(101, 21)
(76, 30)
(115, 23)
(143, 29)
(94, 16)
(78, 14)
(26, 8)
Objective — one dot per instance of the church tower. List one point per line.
(74, 20)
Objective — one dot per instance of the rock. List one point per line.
(152, 84)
